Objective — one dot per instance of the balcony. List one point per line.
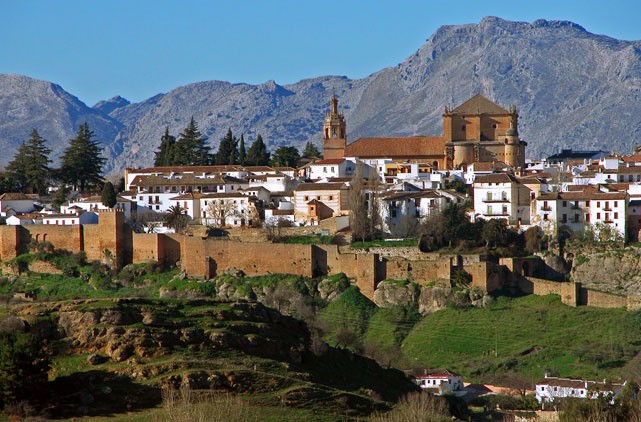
(608, 208)
(546, 208)
(608, 221)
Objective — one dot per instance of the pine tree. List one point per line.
(242, 153)
(311, 151)
(29, 168)
(285, 157)
(227, 150)
(82, 161)
(257, 154)
(191, 148)
(165, 155)
(108, 196)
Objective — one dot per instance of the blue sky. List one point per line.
(138, 48)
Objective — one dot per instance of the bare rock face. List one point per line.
(612, 272)
(433, 299)
(390, 294)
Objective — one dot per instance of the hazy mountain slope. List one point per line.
(282, 114)
(572, 89)
(27, 103)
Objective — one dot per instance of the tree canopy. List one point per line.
(29, 170)
(242, 152)
(310, 151)
(191, 149)
(165, 154)
(23, 366)
(82, 161)
(285, 157)
(257, 154)
(108, 196)
(227, 150)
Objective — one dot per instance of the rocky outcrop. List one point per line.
(427, 299)
(122, 329)
(617, 271)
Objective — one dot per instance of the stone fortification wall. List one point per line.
(70, 238)
(569, 292)
(599, 299)
(208, 257)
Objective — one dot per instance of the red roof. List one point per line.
(328, 161)
(418, 146)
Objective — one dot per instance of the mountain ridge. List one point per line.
(572, 88)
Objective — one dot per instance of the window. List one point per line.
(565, 203)
(576, 218)
(587, 203)
(587, 217)
(332, 169)
(331, 198)
(306, 198)
(598, 204)
(504, 209)
(598, 215)
(140, 198)
(616, 204)
(324, 169)
(545, 217)
(489, 210)
(616, 215)
(565, 218)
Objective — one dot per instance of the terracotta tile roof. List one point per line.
(189, 169)
(582, 195)
(285, 168)
(329, 161)
(496, 178)
(436, 373)
(478, 104)
(636, 158)
(259, 168)
(418, 146)
(624, 170)
(18, 196)
(320, 186)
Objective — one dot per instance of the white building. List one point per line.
(332, 168)
(442, 381)
(70, 219)
(577, 210)
(501, 195)
(16, 203)
(94, 203)
(553, 388)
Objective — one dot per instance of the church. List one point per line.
(478, 130)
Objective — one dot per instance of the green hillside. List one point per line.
(526, 337)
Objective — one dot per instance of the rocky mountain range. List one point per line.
(573, 89)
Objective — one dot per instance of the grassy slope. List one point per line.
(533, 334)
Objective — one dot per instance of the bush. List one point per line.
(23, 366)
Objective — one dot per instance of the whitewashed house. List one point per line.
(332, 168)
(577, 210)
(502, 195)
(94, 203)
(553, 388)
(439, 381)
(16, 203)
(70, 219)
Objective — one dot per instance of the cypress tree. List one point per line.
(257, 154)
(108, 196)
(29, 168)
(242, 154)
(227, 150)
(311, 151)
(82, 161)
(165, 155)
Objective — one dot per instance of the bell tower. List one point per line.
(334, 132)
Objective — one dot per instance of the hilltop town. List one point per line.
(474, 217)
